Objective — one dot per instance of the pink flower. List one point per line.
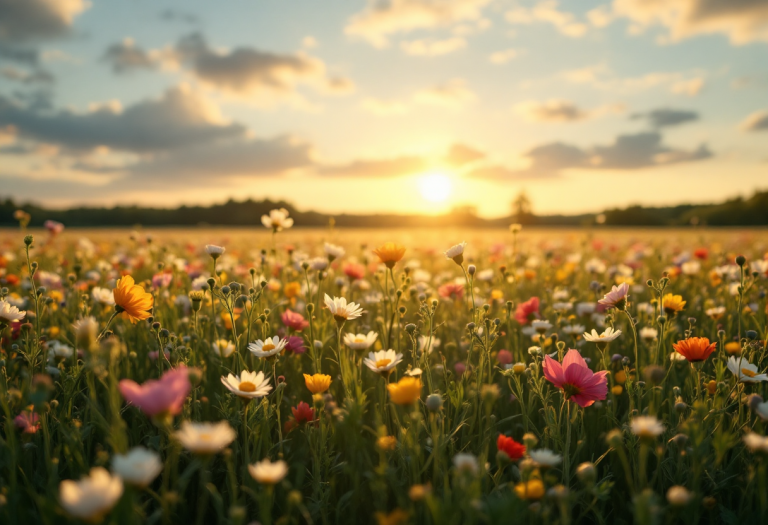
(575, 379)
(527, 311)
(459, 368)
(617, 297)
(161, 280)
(53, 227)
(294, 320)
(162, 396)
(504, 357)
(453, 291)
(154, 354)
(295, 345)
(28, 422)
(354, 271)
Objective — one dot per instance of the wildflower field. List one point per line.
(329, 376)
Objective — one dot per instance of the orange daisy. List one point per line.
(132, 300)
(389, 253)
(695, 349)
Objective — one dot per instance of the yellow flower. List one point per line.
(132, 300)
(672, 304)
(406, 391)
(318, 383)
(733, 348)
(396, 517)
(617, 390)
(292, 289)
(531, 489)
(389, 253)
(620, 376)
(386, 443)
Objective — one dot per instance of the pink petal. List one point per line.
(553, 371)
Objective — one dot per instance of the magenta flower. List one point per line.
(159, 396)
(28, 422)
(575, 379)
(295, 345)
(162, 280)
(617, 297)
(294, 320)
(53, 227)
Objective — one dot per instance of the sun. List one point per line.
(435, 187)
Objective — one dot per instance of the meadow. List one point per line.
(281, 375)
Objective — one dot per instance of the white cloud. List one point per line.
(384, 108)
(502, 57)
(548, 12)
(453, 93)
(601, 77)
(742, 21)
(431, 48)
(757, 121)
(382, 19)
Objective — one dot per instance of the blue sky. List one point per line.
(398, 105)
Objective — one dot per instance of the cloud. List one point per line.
(757, 121)
(453, 93)
(225, 160)
(601, 77)
(742, 21)
(26, 20)
(432, 48)
(552, 111)
(383, 18)
(395, 167)
(250, 72)
(502, 57)
(181, 117)
(36, 76)
(626, 153)
(460, 155)
(384, 108)
(548, 12)
(126, 56)
(666, 117)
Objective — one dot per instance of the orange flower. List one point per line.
(131, 300)
(317, 383)
(733, 348)
(389, 253)
(406, 391)
(695, 349)
(292, 289)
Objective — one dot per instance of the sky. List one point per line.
(408, 106)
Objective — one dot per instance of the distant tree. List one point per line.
(521, 209)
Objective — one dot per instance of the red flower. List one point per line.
(451, 291)
(701, 253)
(303, 413)
(294, 320)
(527, 311)
(354, 271)
(510, 447)
(504, 357)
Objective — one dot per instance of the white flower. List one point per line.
(761, 409)
(465, 463)
(248, 385)
(334, 252)
(691, 267)
(382, 361)
(268, 473)
(9, 313)
(138, 467)
(541, 326)
(574, 329)
(678, 495)
(223, 348)
(745, 371)
(648, 334)
(584, 309)
(606, 337)
(278, 220)
(755, 442)
(103, 296)
(545, 457)
(645, 308)
(205, 438)
(93, 496)
(268, 347)
(200, 282)
(594, 266)
(318, 263)
(715, 313)
(485, 275)
(456, 252)
(360, 341)
(214, 251)
(425, 345)
(674, 356)
(342, 311)
(58, 350)
(646, 426)
(562, 307)
(414, 372)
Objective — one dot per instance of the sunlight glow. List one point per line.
(435, 187)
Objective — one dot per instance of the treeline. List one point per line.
(752, 211)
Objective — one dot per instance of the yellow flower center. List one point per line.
(267, 347)
(205, 437)
(246, 386)
(747, 372)
(381, 363)
(359, 340)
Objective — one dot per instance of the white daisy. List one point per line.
(342, 311)
(382, 361)
(205, 438)
(248, 385)
(278, 220)
(745, 371)
(9, 313)
(268, 473)
(545, 457)
(360, 341)
(646, 427)
(606, 337)
(268, 347)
